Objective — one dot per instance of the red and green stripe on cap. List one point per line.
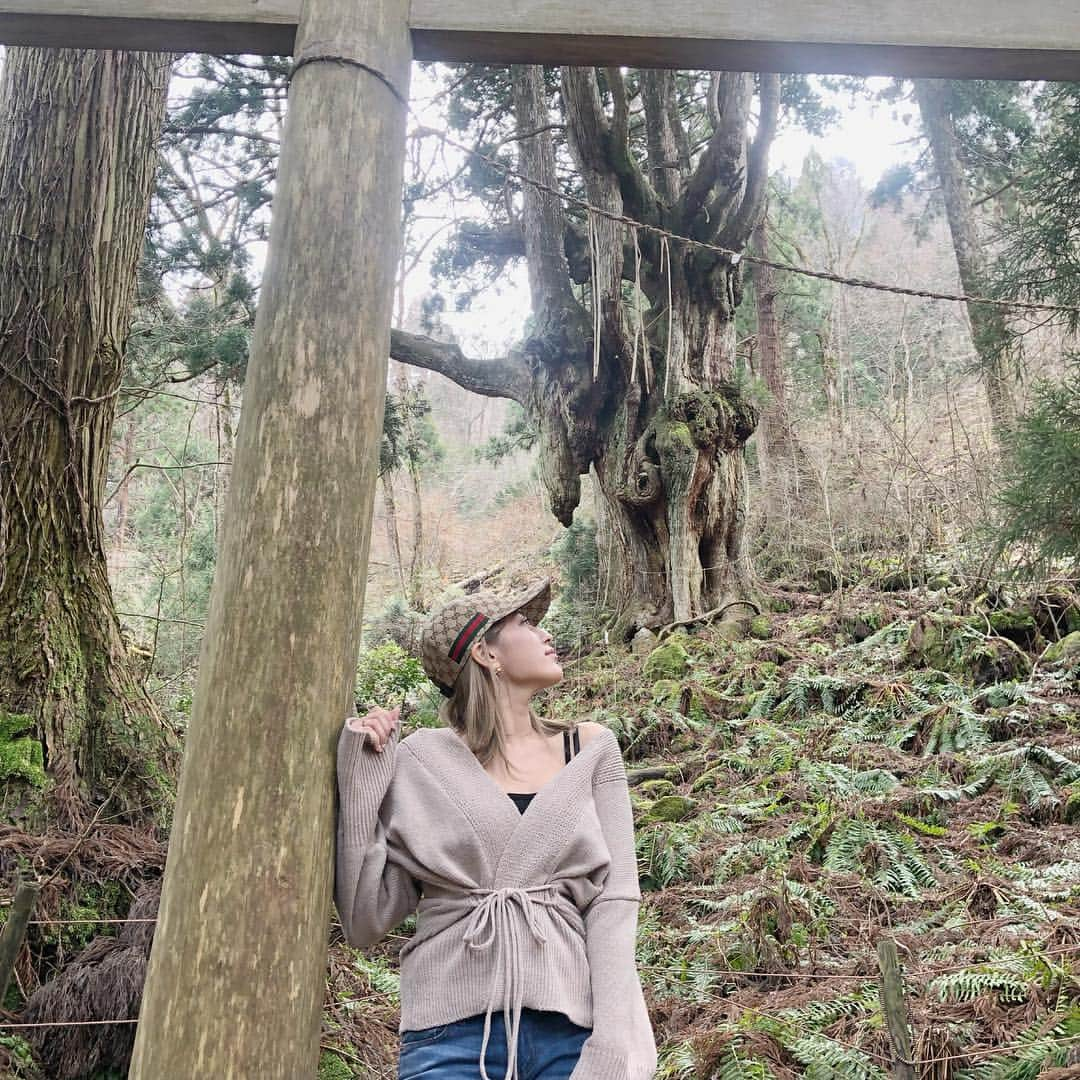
(467, 636)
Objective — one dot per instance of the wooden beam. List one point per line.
(957, 38)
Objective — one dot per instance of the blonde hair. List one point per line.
(472, 710)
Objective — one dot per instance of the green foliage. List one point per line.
(575, 618)
(385, 675)
(885, 855)
(825, 1059)
(1040, 1047)
(665, 853)
(1038, 497)
(967, 985)
(1040, 253)
(332, 1067)
(21, 1055)
(993, 123)
(734, 1066)
(409, 438)
(518, 434)
(1023, 772)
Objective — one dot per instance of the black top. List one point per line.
(523, 798)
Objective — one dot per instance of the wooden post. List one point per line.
(236, 978)
(14, 931)
(895, 1009)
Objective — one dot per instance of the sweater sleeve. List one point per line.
(371, 895)
(622, 1045)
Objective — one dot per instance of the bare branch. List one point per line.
(507, 377)
(737, 232)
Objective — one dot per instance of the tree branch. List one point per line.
(719, 164)
(657, 87)
(503, 242)
(737, 232)
(506, 377)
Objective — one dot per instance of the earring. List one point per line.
(498, 671)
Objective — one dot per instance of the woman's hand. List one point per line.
(378, 723)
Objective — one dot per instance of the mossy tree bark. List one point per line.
(78, 137)
(649, 405)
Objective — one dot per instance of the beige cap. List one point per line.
(448, 632)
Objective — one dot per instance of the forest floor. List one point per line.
(864, 764)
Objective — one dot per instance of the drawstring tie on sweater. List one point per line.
(494, 914)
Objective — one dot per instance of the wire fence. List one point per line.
(921, 973)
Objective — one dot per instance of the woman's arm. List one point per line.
(622, 1045)
(371, 895)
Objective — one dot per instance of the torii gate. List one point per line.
(235, 984)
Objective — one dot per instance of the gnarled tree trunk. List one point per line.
(648, 404)
(78, 138)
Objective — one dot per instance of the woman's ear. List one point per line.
(480, 652)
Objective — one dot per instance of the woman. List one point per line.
(512, 838)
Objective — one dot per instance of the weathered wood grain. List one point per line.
(236, 979)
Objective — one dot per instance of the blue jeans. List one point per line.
(549, 1045)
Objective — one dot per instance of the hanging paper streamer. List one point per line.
(594, 267)
(639, 322)
(665, 263)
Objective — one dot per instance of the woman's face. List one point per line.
(526, 653)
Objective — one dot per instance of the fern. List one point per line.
(966, 985)
(735, 1066)
(1038, 1048)
(381, 979)
(665, 853)
(886, 856)
(828, 1060)
(832, 778)
(920, 826)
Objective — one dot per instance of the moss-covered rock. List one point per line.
(1066, 650)
(893, 573)
(710, 778)
(773, 654)
(668, 661)
(939, 582)
(671, 808)
(657, 788)
(760, 628)
(862, 624)
(809, 625)
(666, 691)
(1016, 624)
(826, 579)
(962, 646)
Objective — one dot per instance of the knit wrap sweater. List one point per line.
(536, 909)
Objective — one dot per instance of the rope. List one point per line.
(921, 972)
(666, 235)
(351, 62)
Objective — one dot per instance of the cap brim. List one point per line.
(533, 601)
